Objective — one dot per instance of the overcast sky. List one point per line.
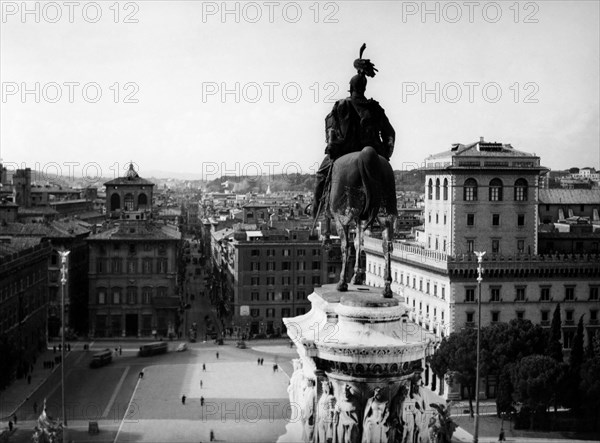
(200, 90)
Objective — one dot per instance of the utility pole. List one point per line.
(63, 280)
(479, 279)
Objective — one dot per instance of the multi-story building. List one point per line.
(133, 267)
(270, 272)
(23, 300)
(485, 197)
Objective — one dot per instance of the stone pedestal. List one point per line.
(356, 380)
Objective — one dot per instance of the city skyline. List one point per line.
(203, 91)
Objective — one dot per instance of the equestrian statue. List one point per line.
(355, 182)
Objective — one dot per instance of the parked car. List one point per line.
(241, 344)
(182, 347)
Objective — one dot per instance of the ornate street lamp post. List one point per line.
(63, 280)
(479, 279)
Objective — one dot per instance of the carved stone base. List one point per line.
(356, 380)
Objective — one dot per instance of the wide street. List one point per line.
(235, 389)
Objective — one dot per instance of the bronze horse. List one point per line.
(362, 191)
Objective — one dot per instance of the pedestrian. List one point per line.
(258, 361)
(501, 437)
(10, 426)
(201, 401)
(274, 368)
(69, 347)
(35, 408)
(183, 399)
(141, 375)
(200, 384)
(54, 349)
(203, 367)
(212, 435)
(120, 350)
(217, 355)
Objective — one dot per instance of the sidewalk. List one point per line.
(19, 390)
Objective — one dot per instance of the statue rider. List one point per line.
(353, 123)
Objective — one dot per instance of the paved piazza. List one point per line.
(243, 402)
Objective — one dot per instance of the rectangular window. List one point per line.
(520, 315)
(316, 265)
(147, 266)
(545, 293)
(286, 280)
(470, 219)
(255, 281)
(132, 296)
(270, 281)
(162, 265)
(521, 246)
(146, 296)
(285, 295)
(316, 280)
(569, 316)
(255, 252)
(287, 252)
(116, 296)
(316, 252)
(495, 219)
(131, 266)
(520, 294)
(101, 296)
(593, 316)
(301, 295)
(286, 266)
(254, 312)
(520, 219)
(594, 293)
(270, 296)
(301, 280)
(494, 294)
(470, 246)
(495, 246)
(270, 266)
(469, 295)
(495, 316)
(270, 252)
(285, 312)
(254, 296)
(569, 293)
(545, 316)
(301, 252)
(255, 266)
(443, 293)
(300, 311)
(470, 316)
(300, 266)
(116, 265)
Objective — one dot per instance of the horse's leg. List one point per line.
(342, 229)
(387, 243)
(359, 273)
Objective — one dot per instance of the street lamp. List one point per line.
(63, 280)
(479, 279)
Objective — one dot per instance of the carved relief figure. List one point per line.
(308, 411)
(375, 428)
(396, 421)
(326, 415)
(348, 418)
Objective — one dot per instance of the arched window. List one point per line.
(437, 188)
(115, 202)
(430, 190)
(128, 200)
(470, 190)
(142, 201)
(496, 190)
(445, 189)
(521, 190)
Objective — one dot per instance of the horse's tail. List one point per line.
(368, 166)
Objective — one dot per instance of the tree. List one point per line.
(503, 345)
(576, 357)
(457, 353)
(554, 344)
(534, 378)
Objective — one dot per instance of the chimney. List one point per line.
(480, 139)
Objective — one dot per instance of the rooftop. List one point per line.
(570, 196)
(131, 178)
